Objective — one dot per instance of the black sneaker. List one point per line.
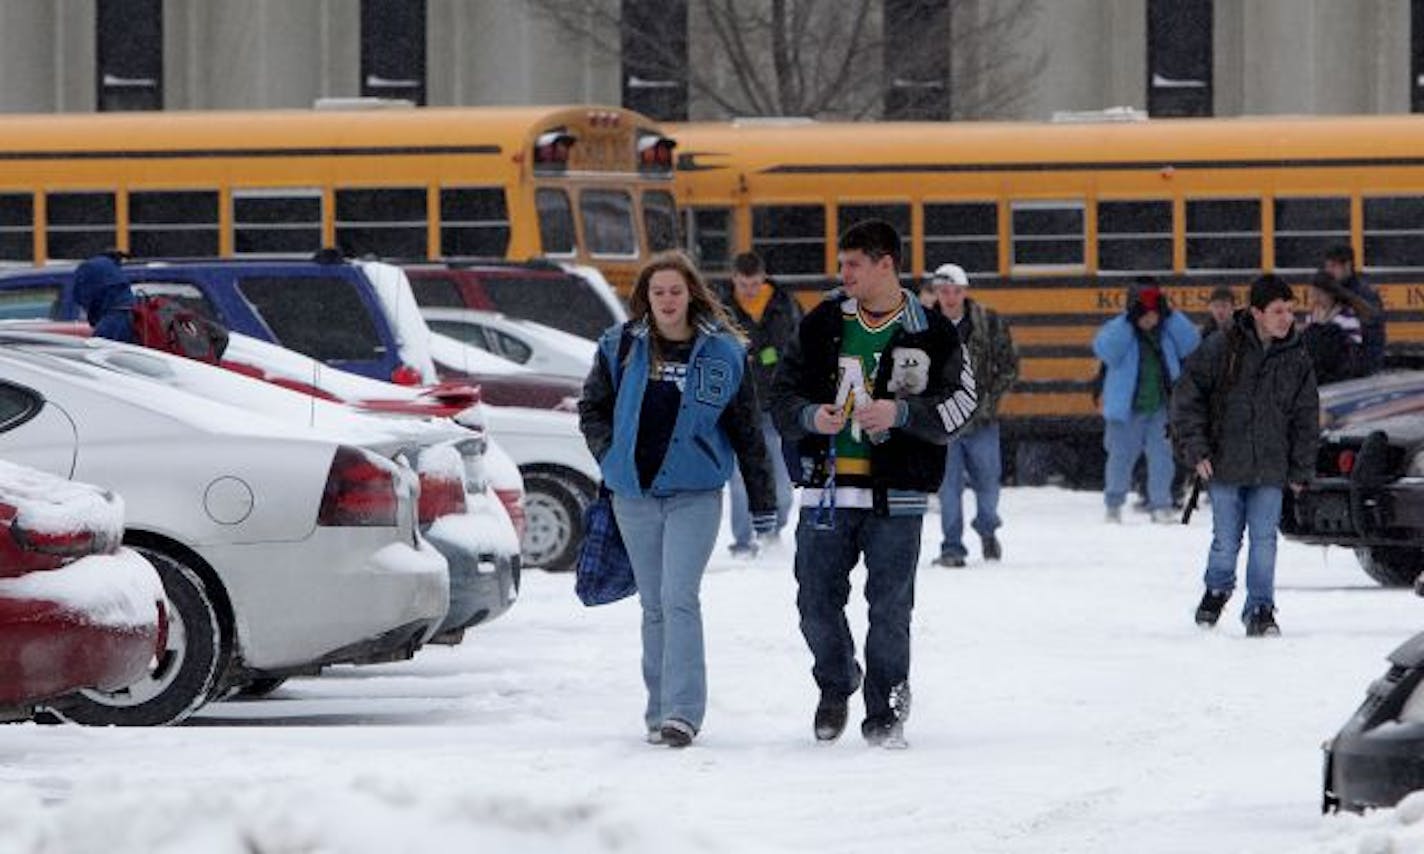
(832, 711)
(889, 734)
(950, 561)
(1261, 623)
(677, 732)
(1209, 611)
(992, 549)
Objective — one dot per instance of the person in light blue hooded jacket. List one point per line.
(103, 290)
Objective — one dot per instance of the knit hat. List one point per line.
(950, 274)
(1150, 298)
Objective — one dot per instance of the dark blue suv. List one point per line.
(326, 310)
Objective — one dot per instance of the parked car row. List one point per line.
(363, 318)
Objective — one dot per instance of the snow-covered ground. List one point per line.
(1064, 702)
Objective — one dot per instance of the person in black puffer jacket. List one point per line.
(1245, 417)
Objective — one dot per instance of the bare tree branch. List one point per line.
(818, 58)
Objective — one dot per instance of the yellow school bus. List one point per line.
(1053, 220)
(584, 184)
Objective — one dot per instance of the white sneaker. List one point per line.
(1165, 516)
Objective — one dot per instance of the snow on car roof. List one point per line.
(54, 505)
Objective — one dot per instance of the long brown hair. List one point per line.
(702, 302)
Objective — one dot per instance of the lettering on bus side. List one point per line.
(1413, 297)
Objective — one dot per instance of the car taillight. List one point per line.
(1345, 462)
(360, 491)
(513, 501)
(440, 496)
(406, 375)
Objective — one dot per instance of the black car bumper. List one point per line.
(1377, 758)
(1364, 503)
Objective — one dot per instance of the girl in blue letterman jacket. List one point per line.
(667, 404)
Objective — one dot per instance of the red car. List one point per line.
(77, 610)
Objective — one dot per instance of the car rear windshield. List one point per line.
(563, 302)
(319, 316)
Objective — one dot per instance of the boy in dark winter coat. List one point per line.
(103, 289)
(871, 389)
(769, 316)
(1244, 415)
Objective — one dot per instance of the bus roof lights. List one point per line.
(604, 118)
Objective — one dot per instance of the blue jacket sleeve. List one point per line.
(1113, 340)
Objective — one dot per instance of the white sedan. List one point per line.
(533, 345)
(281, 548)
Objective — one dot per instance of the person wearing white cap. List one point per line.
(974, 452)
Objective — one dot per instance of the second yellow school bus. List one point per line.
(585, 184)
(1052, 220)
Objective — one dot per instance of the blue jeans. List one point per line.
(1235, 509)
(1125, 441)
(669, 541)
(741, 511)
(976, 454)
(824, 560)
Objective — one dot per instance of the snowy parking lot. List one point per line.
(1064, 701)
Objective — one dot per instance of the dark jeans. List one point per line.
(824, 560)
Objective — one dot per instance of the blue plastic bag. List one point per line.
(603, 572)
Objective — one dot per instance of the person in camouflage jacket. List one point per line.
(989, 347)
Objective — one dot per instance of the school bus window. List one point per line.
(387, 223)
(608, 222)
(32, 303)
(1223, 234)
(660, 220)
(276, 222)
(474, 222)
(1048, 234)
(1135, 237)
(791, 239)
(896, 215)
(17, 227)
(173, 224)
(78, 225)
(966, 234)
(556, 221)
(1306, 228)
(1394, 232)
(709, 237)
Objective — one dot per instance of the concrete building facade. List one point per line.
(1266, 56)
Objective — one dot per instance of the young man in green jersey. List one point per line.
(870, 389)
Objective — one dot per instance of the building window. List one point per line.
(916, 59)
(276, 222)
(791, 239)
(385, 223)
(1135, 237)
(966, 234)
(79, 225)
(1307, 228)
(1179, 57)
(1416, 56)
(1048, 234)
(653, 38)
(17, 227)
(474, 222)
(393, 49)
(1394, 232)
(128, 54)
(1224, 234)
(180, 224)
